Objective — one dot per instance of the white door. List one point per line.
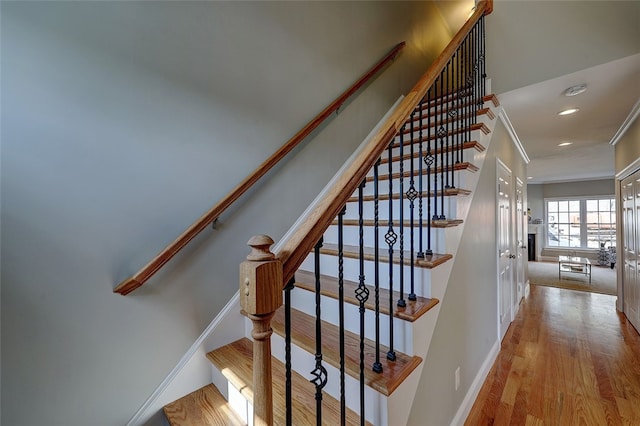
(505, 253)
(630, 193)
(521, 253)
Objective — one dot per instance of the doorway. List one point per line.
(505, 252)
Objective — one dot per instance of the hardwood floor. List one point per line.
(569, 358)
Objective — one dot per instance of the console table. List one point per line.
(574, 265)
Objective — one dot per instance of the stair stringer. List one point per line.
(395, 408)
(400, 403)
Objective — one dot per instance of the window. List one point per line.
(581, 222)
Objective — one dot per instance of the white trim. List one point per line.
(474, 389)
(514, 137)
(629, 170)
(142, 411)
(635, 111)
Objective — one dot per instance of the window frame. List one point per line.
(583, 213)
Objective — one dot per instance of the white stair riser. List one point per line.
(435, 143)
(368, 209)
(329, 266)
(351, 236)
(304, 301)
(458, 180)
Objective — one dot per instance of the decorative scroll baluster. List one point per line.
(459, 90)
(447, 103)
(420, 183)
(377, 366)
(343, 405)
(390, 238)
(362, 294)
(401, 302)
(319, 373)
(412, 194)
(453, 113)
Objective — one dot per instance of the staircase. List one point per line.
(361, 292)
(388, 394)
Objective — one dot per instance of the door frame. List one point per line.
(501, 166)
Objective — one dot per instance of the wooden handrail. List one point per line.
(299, 245)
(135, 281)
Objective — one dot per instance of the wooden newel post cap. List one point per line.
(260, 278)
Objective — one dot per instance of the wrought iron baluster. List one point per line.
(435, 150)
(377, 366)
(390, 238)
(343, 406)
(412, 194)
(420, 183)
(441, 135)
(401, 302)
(287, 351)
(428, 161)
(319, 373)
(362, 294)
(483, 58)
(445, 152)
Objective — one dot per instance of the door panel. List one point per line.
(505, 256)
(630, 194)
(521, 248)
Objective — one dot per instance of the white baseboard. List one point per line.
(474, 389)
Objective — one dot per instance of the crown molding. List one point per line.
(635, 111)
(514, 136)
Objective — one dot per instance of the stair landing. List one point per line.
(235, 362)
(203, 407)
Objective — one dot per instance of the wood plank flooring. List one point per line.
(568, 359)
(205, 406)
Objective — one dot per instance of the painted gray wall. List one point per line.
(579, 189)
(627, 150)
(467, 326)
(122, 123)
(535, 201)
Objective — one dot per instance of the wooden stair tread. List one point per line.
(427, 122)
(203, 407)
(235, 361)
(384, 223)
(467, 145)
(352, 252)
(448, 192)
(436, 152)
(476, 126)
(329, 287)
(303, 334)
(407, 173)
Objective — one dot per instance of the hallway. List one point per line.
(567, 359)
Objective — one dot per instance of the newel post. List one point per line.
(260, 296)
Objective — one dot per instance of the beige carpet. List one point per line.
(603, 279)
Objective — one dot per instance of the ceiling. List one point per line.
(536, 50)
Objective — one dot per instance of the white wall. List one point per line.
(122, 122)
(467, 325)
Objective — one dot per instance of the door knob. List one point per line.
(512, 256)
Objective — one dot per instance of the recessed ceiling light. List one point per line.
(575, 90)
(529, 177)
(565, 143)
(569, 111)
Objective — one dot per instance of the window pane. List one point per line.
(568, 219)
